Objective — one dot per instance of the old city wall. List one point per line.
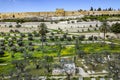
(54, 14)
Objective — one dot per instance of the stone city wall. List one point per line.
(57, 13)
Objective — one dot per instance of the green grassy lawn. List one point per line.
(116, 41)
(96, 48)
(5, 69)
(66, 51)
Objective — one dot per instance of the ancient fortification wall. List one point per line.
(57, 13)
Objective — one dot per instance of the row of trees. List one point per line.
(99, 9)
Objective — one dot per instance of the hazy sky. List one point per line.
(51, 5)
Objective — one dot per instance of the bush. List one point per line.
(95, 38)
(11, 31)
(112, 45)
(17, 31)
(2, 44)
(73, 37)
(21, 49)
(80, 53)
(69, 38)
(30, 44)
(38, 49)
(72, 21)
(90, 38)
(2, 53)
(30, 48)
(56, 37)
(13, 48)
(43, 39)
(52, 39)
(18, 26)
(36, 34)
(20, 39)
(88, 30)
(3, 47)
(30, 38)
(8, 34)
(65, 36)
(10, 26)
(30, 35)
(20, 43)
(81, 37)
(2, 40)
(10, 44)
(61, 39)
(22, 35)
(13, 38)
(6, 37)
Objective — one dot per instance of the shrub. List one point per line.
(13, 48)
(88, 29)
(81, 37)
(72, 22)
(6, 37)
(13, 38)
(1, 52)
(112, 45)
(30, 48)
(90, 38)
(82, 30)
(17, 31)
(8, 34)
(80, 53)
(2, 44)
(56, 37)
(61, 39)
(52, 33)
(3, 47)
(11, 31)
(36, 34)
(20, 39)
(21, 49)
(22, 35)
(30, 35)
(2, 40)
(43, 39)
(73, 37)
(18, 26)
(20, 43)
(65, 36)
(69, 38)
(10, 26)
(51, 38)
(10, 44)
(30, 44)
(30, 38)
(95, 38)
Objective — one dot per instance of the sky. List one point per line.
(51, 5)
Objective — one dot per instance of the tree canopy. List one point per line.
(115, 28)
